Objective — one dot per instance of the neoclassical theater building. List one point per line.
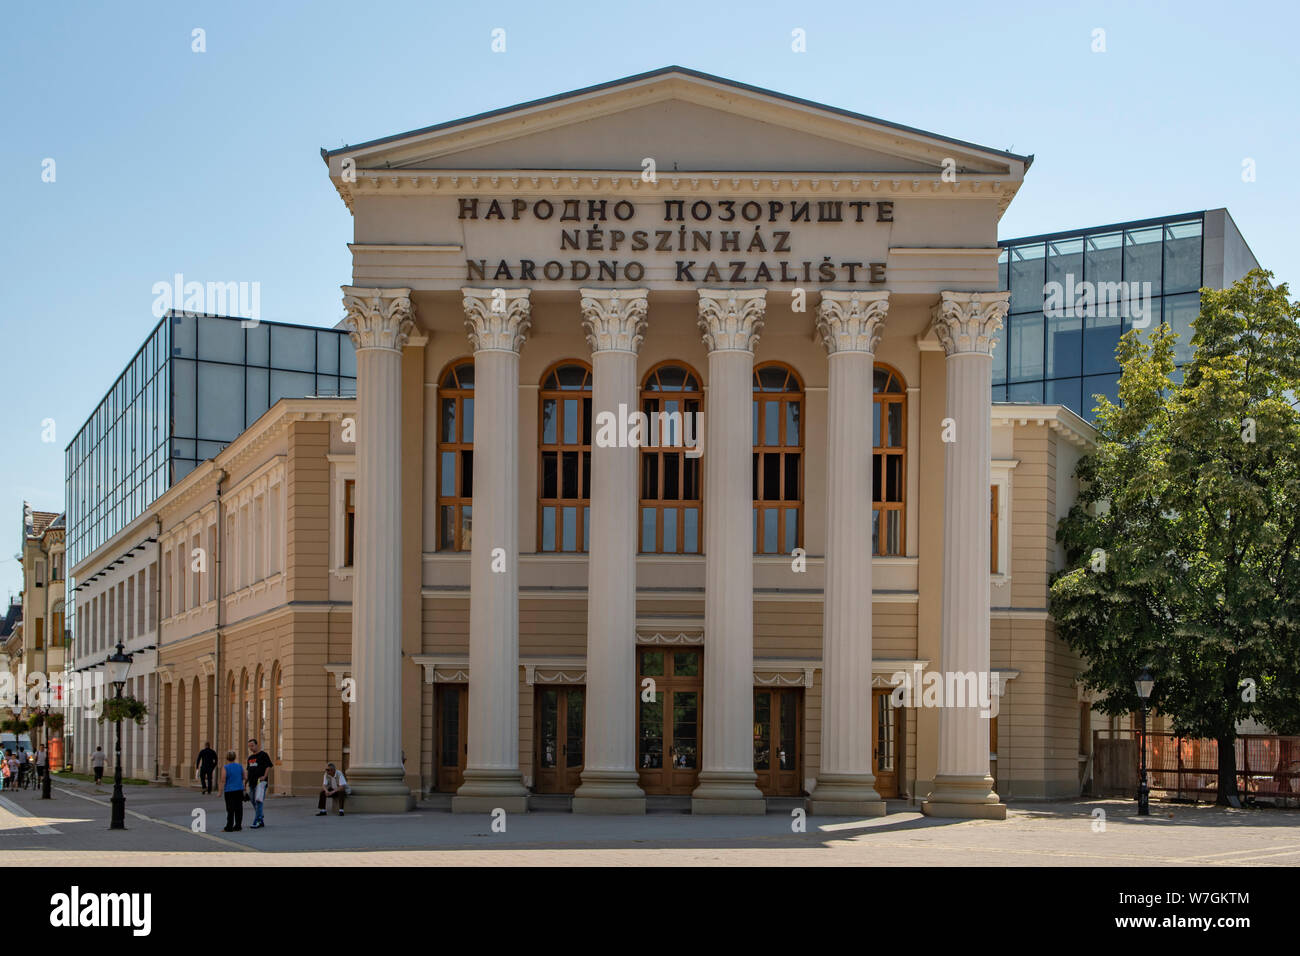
(553, 595)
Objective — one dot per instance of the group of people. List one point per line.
(249, 782)
(15, 767)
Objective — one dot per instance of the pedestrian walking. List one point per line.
(259, 781)
(97, 764)
(207, 764)
(42, 763)
(334, 787)
(4, 770)
(232, 788)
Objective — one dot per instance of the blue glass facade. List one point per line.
(196, 383)
(1074, 294)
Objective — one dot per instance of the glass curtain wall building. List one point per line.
(196, 383)
(1073, 294)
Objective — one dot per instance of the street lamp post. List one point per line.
(45, 779)
(118, 665)
(1143, 684)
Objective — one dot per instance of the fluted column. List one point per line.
(379, 321)
(850, 325)
(498, 322)
(965, 323)
(731, 320)
(615, 321)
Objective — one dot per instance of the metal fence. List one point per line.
(1187, 768)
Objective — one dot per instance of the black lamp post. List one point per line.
(1143, 684)
(45, 779)
(118, 665)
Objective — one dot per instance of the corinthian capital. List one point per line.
(497, 319)
(851, 321)
(967, 321)
(378, 318)
(732, 318)
(615, 319)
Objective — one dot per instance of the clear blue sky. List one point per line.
(208, 163)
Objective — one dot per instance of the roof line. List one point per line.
(1109, 227)
(664, 71)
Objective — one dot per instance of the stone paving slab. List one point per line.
(72, 829)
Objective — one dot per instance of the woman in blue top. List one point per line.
(232, 787)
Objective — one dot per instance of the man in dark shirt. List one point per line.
(207, 763)
(259, 769)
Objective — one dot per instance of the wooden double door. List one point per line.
(452, 710)
(560, 718)
(886, 720)
(670, 688)
(778, 731)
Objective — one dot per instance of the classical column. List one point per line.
(379, 322)
(850, 324)
(498, 321)
(731, 319)
(615, 321)
(965, 322)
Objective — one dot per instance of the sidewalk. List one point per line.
(73, 828)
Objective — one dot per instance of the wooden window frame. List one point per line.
(994, 514)
(349, 521)
(782, 448)
(559, 448)
(661, 504)
(458, 393)
(884, 452)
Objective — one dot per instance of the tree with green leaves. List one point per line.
(1183, 549)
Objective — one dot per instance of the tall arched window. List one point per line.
(456, 456)
(888, 461)
(564, 443)
(778, 459)
(671, 487)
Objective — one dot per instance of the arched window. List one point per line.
(778, 459)
(456, 456)
(564, 442)
(888, 461)
(671, 489)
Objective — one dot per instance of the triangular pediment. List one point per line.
(685, 121)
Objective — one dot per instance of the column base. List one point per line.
(379, 790)
(727, 792)
(486, 790)
(964, 798)
(609, 792)
(846, 795)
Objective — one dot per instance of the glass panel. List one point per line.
(885, 733)
(772, 477)
(256, 388)
(1025, 392)
(549, 729)
(762, 729)
(586, 421)
(691, 479)
(999, 349)
(791, 529)
(586, 529)
(791, 478)
(875, 531)
(686, 664)
(1180, 312)
(291, 385)
(877, 467)
(650, 745)
(1065, 262)
(769, 531)
(771, 423)
(1027, 276)
(877, 410)
(1025, 347)
(446, 526)
(792, 410)
(754, 441)
(1101, 258)
(1182, 257)
(893, 477)
(466, 524)
(895, 415)
(548, 421)
(672, 469)
(1100, 337)
(569, 474)
(670, 531)
(550, 474)
(893, 532)
(327, 353)
(573, 724)
(1142, 257)
(570, 529)
(467, 410)
(221, 341)
(258, 340)
(293, 348)
(570, 421)
(788, 755)
(691, 535)
(448, 476)
(1064, 345)
(548, 529)
(652, 664)
(1107, 385)
(450, 720)
(1065, 391)
(648, 542)
(447, 429)
(685, 720)
(467, 474)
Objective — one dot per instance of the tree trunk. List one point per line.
(1227, 789)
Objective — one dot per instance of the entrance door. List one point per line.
(884, 743)
(560, 738)
(668, 719)
(453, 722)
(778, 714)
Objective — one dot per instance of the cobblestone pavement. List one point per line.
(72, 829)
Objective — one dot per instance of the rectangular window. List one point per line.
(993, 529)
(349, 521)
